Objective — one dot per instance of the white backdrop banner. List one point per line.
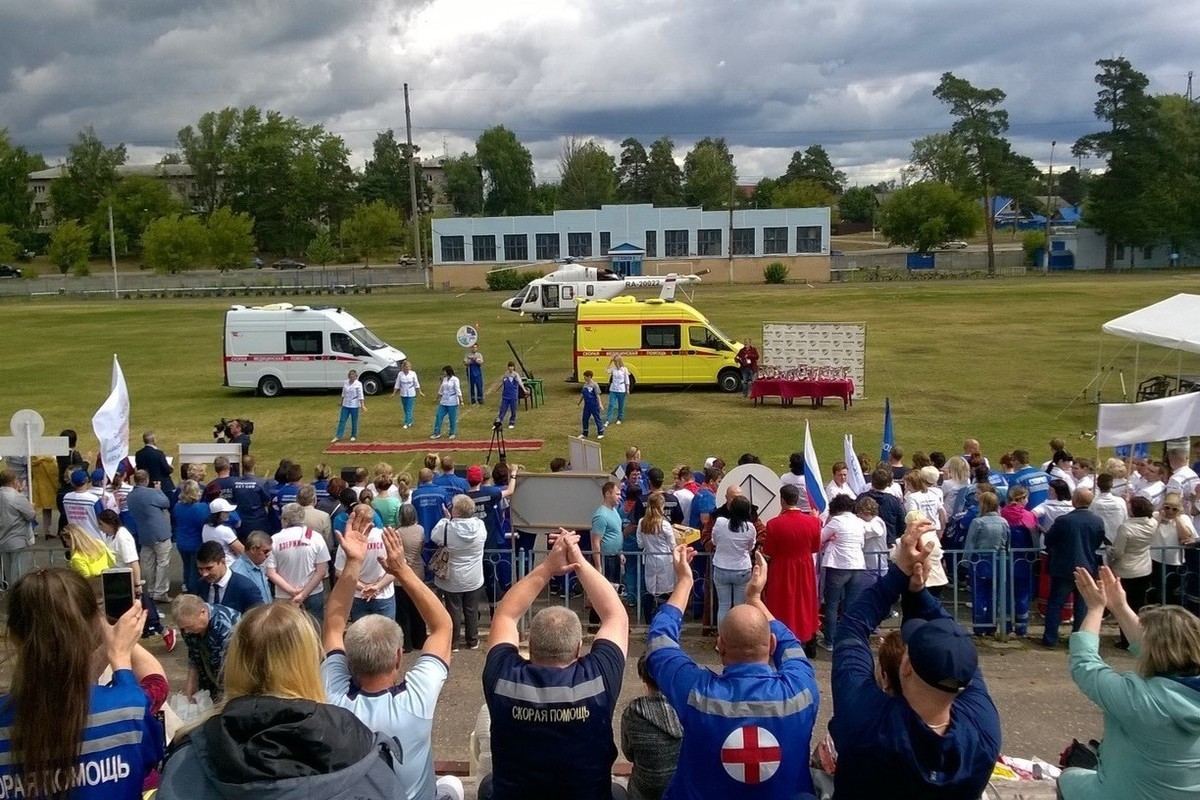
(1149, 421)
(787, 345)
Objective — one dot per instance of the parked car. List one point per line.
(259, 263)
(289, 263)
(953, 244)
(9, 271)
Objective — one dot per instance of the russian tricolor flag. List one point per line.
(814, 484)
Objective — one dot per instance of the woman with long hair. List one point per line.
(86, 554)
(56, 724)
(733, 538)
(618, 389)
(274, 730)
(189, 516)
(449, 399)
(1151, 716)
(656, 539)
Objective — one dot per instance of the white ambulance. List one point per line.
(281, 346)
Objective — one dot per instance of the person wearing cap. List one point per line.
(746, 731)
(487, 501)
(939, 735)
(81, 506)
(217, 529)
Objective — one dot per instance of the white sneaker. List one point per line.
(334, 440)
(618, 422)
(511, 426)
(453, 436)
(354, 438)
(436, 436)
(449, 787)
(599, 435)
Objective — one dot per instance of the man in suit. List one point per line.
(221, 585)
(1071, 542)
(154, 461)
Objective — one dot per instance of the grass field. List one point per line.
(1006, 361)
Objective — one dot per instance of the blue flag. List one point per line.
(889, 438)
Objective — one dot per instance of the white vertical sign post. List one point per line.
(27, 427)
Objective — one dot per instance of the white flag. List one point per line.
(858, 483)
(111, 423)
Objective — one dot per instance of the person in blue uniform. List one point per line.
(746, 732)
(473, 361)
(511, 389)
(589, 396)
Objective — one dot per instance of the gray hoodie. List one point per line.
(651, 736)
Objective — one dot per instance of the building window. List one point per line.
(1120, 254)
(605, 242)
(1147, 253)
(516, 247)
(808, 239)
(675, 243)
(651, 244)
(743, 241)
(453, 248)
(579, 245)
(484, 248)
(547, 246)
(660, 337)
(304, 343)
(774, 241)
(708, 242)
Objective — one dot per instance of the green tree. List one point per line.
(8, 245)
(979, 123)
(209, 149)
(709, 177)
(940, 157)
(588, 175)
(1122, 203)
(69, 247)
(371, 228)
(464, 184)
(230, 239)
(633, 173)
(508, 170)
(1069, 186)
(16, 200)
(857, 204)
(1178, 184)
(135, 201)
(385, 176)
(763, 195)
(321, 249)
(89, 176)
(814, 165)
(175, 244)
(664, 178)
(804, 193)
(545, 198)
(924, 215)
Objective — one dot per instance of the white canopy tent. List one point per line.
(1170, 323)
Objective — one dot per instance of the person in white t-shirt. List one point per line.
(362, 671)
(120, 541)
(840, 483)
(1183, 480)
(1156, 475)
(408, 386)
(449, 399)
(918, 497)
(619, 385)
(299, 562)
(374, 592)
(354, 401)
(217, 529)
(683, 476)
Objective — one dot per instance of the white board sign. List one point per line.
(759, 485)
(584, 455)
(787, 345)
(549, 501)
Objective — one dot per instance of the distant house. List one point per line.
(179, 178)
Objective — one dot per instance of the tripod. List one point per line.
(497, 443)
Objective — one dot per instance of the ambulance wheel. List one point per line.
(372, 384)
(730, 380)
(270, 386)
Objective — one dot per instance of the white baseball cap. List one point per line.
(221, 504)
(708, 462)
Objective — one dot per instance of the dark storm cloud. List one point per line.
(770, 76)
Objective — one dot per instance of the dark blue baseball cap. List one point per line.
(941, 652)
(97, 476)
(79, 477)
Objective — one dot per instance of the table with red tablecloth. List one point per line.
(817, 389)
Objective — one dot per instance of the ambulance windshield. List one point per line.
(368, 339)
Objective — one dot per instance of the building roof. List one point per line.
(124, 171)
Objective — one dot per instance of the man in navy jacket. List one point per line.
(938, 736)
(1071, 542)
(222, 586)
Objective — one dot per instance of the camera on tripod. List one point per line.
(497, 443)
(221, 429)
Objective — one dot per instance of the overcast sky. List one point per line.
(770, 76)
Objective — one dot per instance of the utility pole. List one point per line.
(729, 244)
(112, 251)
(1049, 211)
(415, 217)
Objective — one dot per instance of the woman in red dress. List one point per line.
(789, 542)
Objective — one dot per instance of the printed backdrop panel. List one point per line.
(786, 345)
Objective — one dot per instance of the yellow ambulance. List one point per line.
(661, 342)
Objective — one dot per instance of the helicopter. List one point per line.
(558, 293)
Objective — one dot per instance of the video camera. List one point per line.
(221, 429)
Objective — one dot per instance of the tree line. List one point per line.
(265, 182)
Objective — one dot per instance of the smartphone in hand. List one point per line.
(118, 591)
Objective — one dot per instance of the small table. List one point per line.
(788, 390)
(536, 392)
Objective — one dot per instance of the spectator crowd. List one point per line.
(322, 616)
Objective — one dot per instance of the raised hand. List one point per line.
(1113, 590)
(758, 577)
(564, 553)
(681, 561)
(909, 550)
(394, 564)
(121, 637)
(1093, 594)
(354, 541)
(920, 574)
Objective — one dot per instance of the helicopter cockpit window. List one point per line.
(532, 296)
(568, 293)
(549, 296)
